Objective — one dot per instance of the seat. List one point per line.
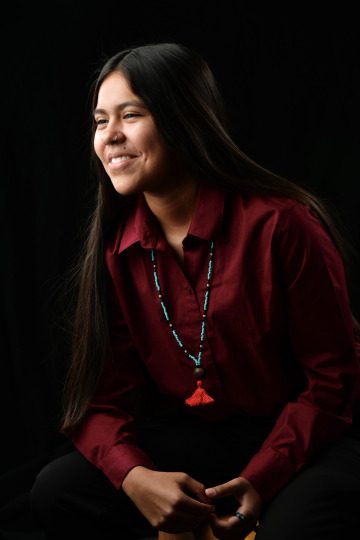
(203, 532)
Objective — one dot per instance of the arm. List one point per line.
(322, 338)
(107, 438)
(107, 435)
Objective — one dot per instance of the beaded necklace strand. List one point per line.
(200, 396)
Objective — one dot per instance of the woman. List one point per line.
(214, 366)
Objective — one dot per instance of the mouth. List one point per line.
(118, 162)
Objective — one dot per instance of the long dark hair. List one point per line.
(180, 92)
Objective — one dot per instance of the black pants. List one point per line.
(72, 499)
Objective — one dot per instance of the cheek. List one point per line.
(156, 149)
(147, 140)
(98, 147)
(162, 155)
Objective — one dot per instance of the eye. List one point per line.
(99, 122)
(130, 115)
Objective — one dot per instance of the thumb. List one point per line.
(223, 490)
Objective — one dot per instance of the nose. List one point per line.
(112, 136)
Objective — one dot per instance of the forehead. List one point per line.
(115, 89)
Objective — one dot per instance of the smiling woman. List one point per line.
(128, 142)
(214, 366)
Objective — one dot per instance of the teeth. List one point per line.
(120, 159)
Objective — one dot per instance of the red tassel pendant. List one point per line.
(199, 397)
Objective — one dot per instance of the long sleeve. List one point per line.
(322, 339)
(279, 337)
(107, 434)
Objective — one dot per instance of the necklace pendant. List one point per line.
(199, 397)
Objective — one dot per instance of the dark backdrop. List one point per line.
(291, 82)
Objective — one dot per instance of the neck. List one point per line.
(173, 211)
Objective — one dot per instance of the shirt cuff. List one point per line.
(121, 459)
(268, 471)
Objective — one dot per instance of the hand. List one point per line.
(162, 497)
(250, 506)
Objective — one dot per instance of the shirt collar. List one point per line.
(206, 222)
(208, 214)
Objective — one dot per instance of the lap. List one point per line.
(321, 502)
(212, 453)
(70, 489)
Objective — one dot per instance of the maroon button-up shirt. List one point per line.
(279, 338)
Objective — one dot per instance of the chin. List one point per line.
(126, 190)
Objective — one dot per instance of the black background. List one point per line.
(290, 79)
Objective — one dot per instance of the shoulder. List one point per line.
(264, 203)
(267, 210)
(282, 222)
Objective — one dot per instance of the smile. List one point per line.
(119, 162)
(119, 159)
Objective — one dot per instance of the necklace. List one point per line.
(200, 396)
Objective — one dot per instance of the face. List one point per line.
(127, 141)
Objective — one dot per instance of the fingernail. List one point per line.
(210, 492)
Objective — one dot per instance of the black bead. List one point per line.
(199, 373)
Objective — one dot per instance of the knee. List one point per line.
(53, 485)
(44, 492)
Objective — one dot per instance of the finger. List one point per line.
(193, 486)
(249, 510)
(230, 528)
(223, 490)
(194, 507)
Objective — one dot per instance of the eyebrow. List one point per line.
(121, 106)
